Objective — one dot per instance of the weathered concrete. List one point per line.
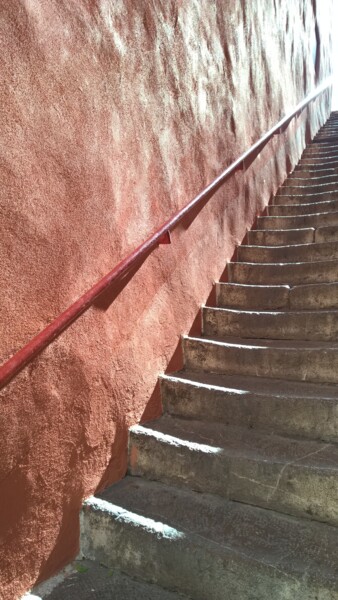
(298, 477)
(284, 273)
(291, 253)
(320, 172)
(295, 189)
(236, 295)
(293, 360)
(246, 552)
(306, 297)
(92, 581)
(274, 405)
(322, 162)
(295, 179)
(314, 296)
(292, 205)
(327, 234)
(298, 222)
(277, 325)
(281, 237)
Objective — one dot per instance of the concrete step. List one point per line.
(236, 295)
(292, 273)
(279, 359)
(322, 163)
(274, 405)
(326, 234)
(319, 152)
(281, 237)
(289, 475)
(314, 172)
(300, 190)
(326, 136)
(321, 325)
(89, 580)
(284, 237)
(270, 297)
(290, 253)
(302, 205)
(208, 547)
(296, 178)
(299, 221)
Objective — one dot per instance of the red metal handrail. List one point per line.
(24, 356)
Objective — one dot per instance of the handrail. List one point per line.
(26, 354)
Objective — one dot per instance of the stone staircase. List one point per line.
(233, 492)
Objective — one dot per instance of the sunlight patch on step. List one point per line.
(174, 441)
(119, 514)
(206, 386)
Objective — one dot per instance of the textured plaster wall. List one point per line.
(114, 114)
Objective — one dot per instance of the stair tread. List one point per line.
(294, 345)
(286, 313)
(90, 580)
(218, 438)
(300, 548)
(310, 195)
(258, 385)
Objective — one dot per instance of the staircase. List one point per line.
(233, 492)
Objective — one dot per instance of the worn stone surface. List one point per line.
(297, 477)
(274, 405)
(281, 237)
(311, 204)
(278, 325)
(310, 296)
(237, 295)
(289, 253)
(195, 539)
(326, 234)
(293, 360)
(292, 273)
(295, 187)
(298, 221)
(90, 580)
(114, 115)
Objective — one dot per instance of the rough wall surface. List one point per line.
(114, 114)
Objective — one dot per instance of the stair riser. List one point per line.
(302, 253)
(297, 180)
(305, 297)
(281, 238)
(306, 172)
(283, 274)
(290, 363)
(288, 206)
(326, 234)
(294, 489)
(176, 562)
(323, 163)
(298, 222)
(319, 154)
(306, 190)
(261, 297)
(278, 326)
(282, 415)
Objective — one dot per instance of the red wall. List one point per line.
(114, 114)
